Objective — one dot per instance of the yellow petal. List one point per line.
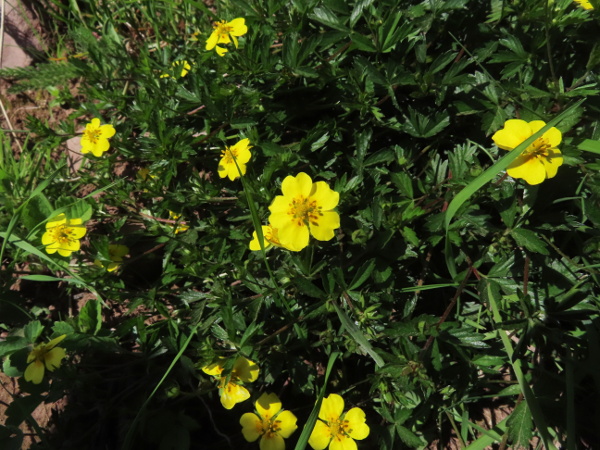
(268, 405)
(237, 171)
(57, 340)
(251, 426)
(331, 408)
(233, 393)
(254, 244)
(357, 428)
(292, 236)
(214, 369)
(286, 422)
(325, 225)
(34, 372)
(553, 136)
(107, 131)
(93, 125)
(56, 221)
(531, 169)
(515, 131)
(552, 162)
(212, 40)
(221, 50)
(326, 197)
(245, 370)
(53, 358)
(279, 207)
(320, 436)
(238, 27)
(342, 442)
(301, 184)
(272, 442)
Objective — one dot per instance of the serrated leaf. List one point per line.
(308, 288)
(327, 17)
(520, 426)
(408, 437)
(529, 240)
(11, 344)
(33, 330)
(90, 317)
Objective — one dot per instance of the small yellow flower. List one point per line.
(270, 238)
(336, 429)
(179, 227)
(304, 209)
(95, 137)
(44, 356)
(224, 33)
(271, 424)
(185, 68)
(585, 4)
(115, 254)
(232, 392)
(540, 160)
(240, 153)
(62, 235)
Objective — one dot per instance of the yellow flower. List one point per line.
(231, 390)
(62, 235)
(179, 227)
(585, 4)
(95, 137)
(240, 153)
(224, 33)
(304, 208)
(270, 238)
(336, 429)
(44, 356)
(272, 424)
(185, 68)
(115, 254)
(540, 160)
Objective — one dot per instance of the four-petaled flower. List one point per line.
(304, 209)
(177, 65)
(585, 4)
(44, 356)
(232, 392)
(540, 160)
(270, 235)
(238, 153)
(336, 429)
(95, 137)
(62, 235)
(115, 255)
(224, 33)
(271, 424)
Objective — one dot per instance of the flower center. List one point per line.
(62, 234)
(539, 148)
(222, 28)
(270, 428)
(39, 352)
(304, 211)
(340, 429)
(92, 135)
(228, 155)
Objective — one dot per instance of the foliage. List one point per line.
(448, 288)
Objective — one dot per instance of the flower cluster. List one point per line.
(62, 235)
(230, 386)
(42, 357)
(225, 33)
(537, 162)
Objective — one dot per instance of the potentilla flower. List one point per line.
(271, 423)
(304, 209)
(336, 429)
(179, 227)
(42, 357)
(540, 160)
(240, 153)
(95, 137)
(270, 236)
(62, 235)
(224, 33)
(115, 254)
(585, 4)
(232, 392)
(180, 69)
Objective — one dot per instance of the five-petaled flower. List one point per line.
(271, 423)
(336, 429)
(304, 209)
(270, 235)
(232, 392)
(44, 356)
(540, 160)
(95, 137)
(62, 235)
(180, 69)
(235, 157)
(224, 33)
(115, 256)
(585, 4)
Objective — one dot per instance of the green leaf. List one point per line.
(35, 211)
(308, 288)
(33, 330)
(590, 146)
(362, 274)
(520, 426)
(529, 240)
(327, 17)
(90, 317)
(408, 437)
(11, 344)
